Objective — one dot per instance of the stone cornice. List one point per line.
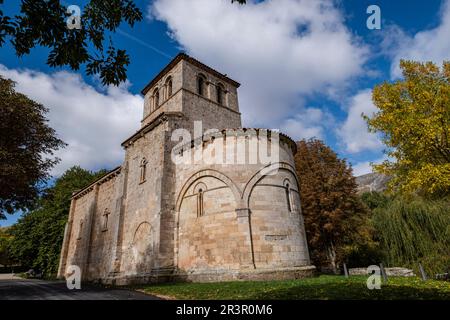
(234, 133)
(106, 177)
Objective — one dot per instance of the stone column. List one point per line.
(244, 225)
(167, 219)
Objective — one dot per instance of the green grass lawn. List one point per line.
(322, 287)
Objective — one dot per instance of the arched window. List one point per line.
(155, 99)
(143, 166)
(201, 81)
(199, 190)
(220, 90)
(200, 210)
(105, 220)
(287, 187)
(169, 87)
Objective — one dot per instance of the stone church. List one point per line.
(161, 216)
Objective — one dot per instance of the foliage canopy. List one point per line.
(44, 23)
(335, 218)
(413, 119)
(5, 241)
(25, 146)
(38, 235)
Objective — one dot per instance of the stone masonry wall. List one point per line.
(190, 73)
(141, 226)
(101, 240)
(89, 240)
(79, 236)
(205, 108)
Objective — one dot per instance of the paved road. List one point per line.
(12, 288)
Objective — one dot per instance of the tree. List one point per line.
(26, 142)
(375, 199)
(38, 235)
(335, 218)
(413, 231)
(5, 241)
(413, 119)
(48, 23)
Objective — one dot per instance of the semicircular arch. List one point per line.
(264, 172)
(208, 173)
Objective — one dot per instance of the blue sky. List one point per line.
(306, 68)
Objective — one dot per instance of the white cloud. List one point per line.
(307, 124)
(353, 132)
(281, 51)
(427, 45)
(363, 167)
(92, 123)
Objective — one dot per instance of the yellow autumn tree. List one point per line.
(413, 119)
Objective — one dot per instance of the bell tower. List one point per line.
(196, 91)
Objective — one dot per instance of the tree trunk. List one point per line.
(331, 255)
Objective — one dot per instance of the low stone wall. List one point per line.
(393, 272)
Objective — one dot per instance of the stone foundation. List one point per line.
(392, 272)
(167, 275)
(248, 275)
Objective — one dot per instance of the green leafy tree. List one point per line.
(27, 145)
(5, 240)
(413, 119)
(44, 23)
(336, 221)
(374, 199)
(38, 235)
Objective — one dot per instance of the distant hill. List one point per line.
(372, 182)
